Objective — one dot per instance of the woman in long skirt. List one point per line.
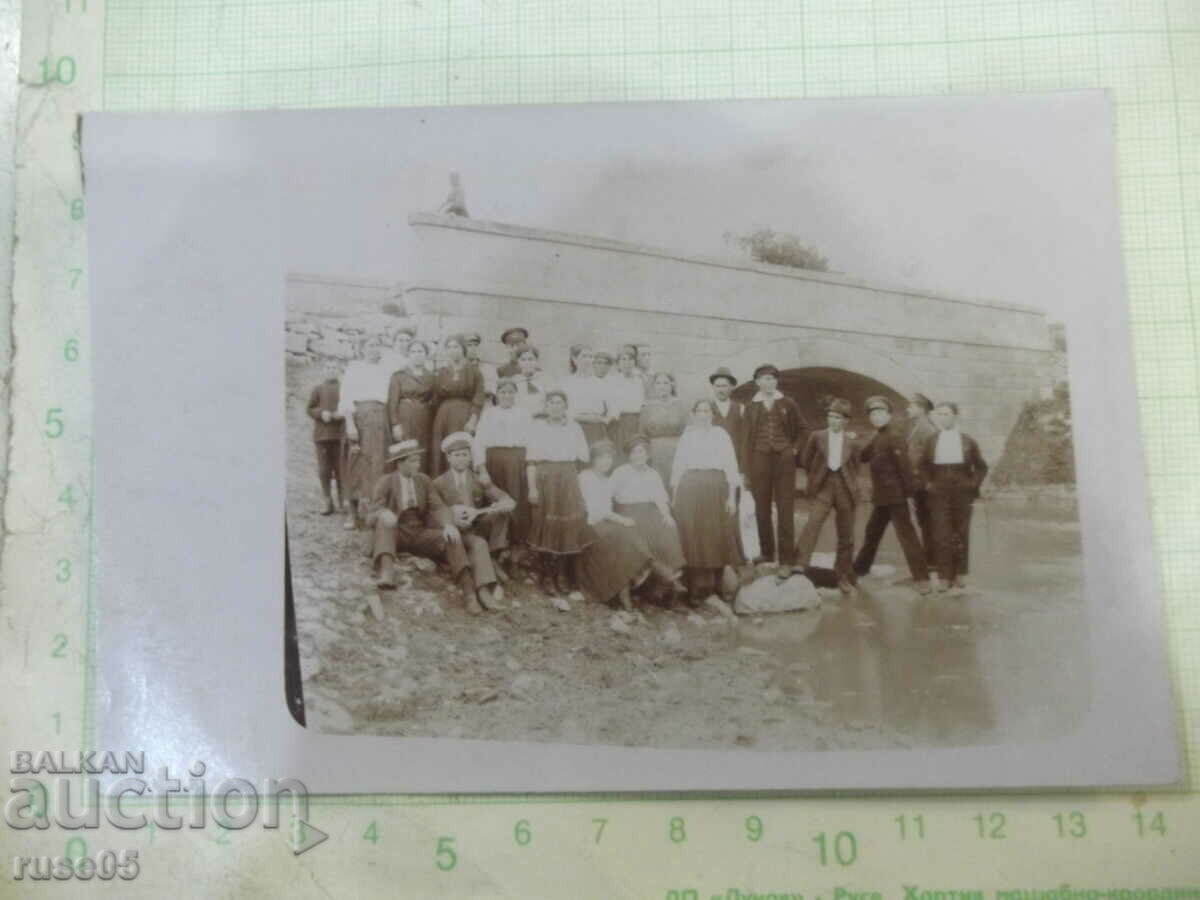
(663, 418)
(361, 403)
(410, 399)
(585, 393)
(501, 441)
(639, 493)
(558, 529)
(458, 393)
(619, 560)
(704, 484)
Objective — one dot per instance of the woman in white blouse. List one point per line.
(639, 493)
(558, 529)
(586, 394)
(532, 383)
(500, 444)
(619, 560)
(704, 480)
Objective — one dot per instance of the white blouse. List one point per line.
(597, 495)
(585, 394)
(363, 380)
(500, 427)
(625, 395)
(557, 443)
(535, 400)
(630, 485)
(704, 448)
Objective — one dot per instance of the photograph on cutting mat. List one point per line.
(784, 431)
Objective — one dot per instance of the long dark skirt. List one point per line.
(612, 561)
(416, 417)
(707, 533)
(506, 466)
(594, 431)
(660, 536)
(621, 430)
(452, 414)
(558, 524)
(662, 455)
(367, 465)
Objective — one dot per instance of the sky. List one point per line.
(1004, 198)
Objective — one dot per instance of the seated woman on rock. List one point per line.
(619, 559)
(639, 493)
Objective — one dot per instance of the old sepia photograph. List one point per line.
(656, 447)
(632, 446)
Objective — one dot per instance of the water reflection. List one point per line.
(1007, 662)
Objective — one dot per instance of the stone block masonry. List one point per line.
(701, 312)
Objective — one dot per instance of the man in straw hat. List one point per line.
(831, 461)
(409, 516)
(479, 510)
(892, 483)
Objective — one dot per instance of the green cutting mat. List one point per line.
(243, 54)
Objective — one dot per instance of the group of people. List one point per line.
(604, 481)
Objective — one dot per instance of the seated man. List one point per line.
(409, 517)
(461, 490)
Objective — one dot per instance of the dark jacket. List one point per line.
(794, 426)
(892, 477)
(917, 436)
(815, 461)
(975, 468)
(430, 506)
(324, 398)
(734, 424)
(477, 492)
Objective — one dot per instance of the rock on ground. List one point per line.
(766, 595)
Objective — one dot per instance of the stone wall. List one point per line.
(700, 313)
(328, 318)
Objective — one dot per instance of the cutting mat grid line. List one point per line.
(248, 54)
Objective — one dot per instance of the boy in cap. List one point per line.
(329, 437)
(831, 462)
(770, 439)
(892, 483)
(480, 510)
(409, 516)
(919, 407)
(953, 470)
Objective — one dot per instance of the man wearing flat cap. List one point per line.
(892, 483)
(480, 511)
(512, 338)
(920, 430)
(831, 461)
(773, 429)
(409, 516)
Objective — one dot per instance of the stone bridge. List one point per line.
(828, 333)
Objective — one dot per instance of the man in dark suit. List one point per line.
(892, 483)
(831, 461)
(953, 470)
(772, 431)
(728, 413)
(409, 517)
(919, 408)
(478, 509)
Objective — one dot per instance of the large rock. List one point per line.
(769, 595)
